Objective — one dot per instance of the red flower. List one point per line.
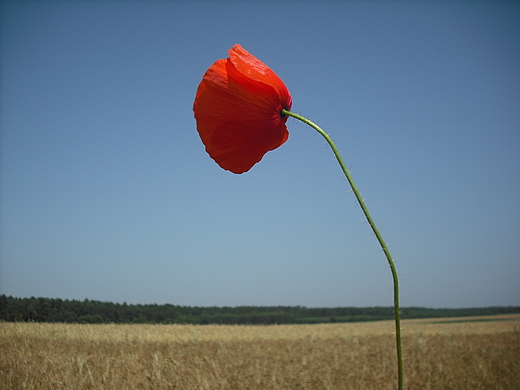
(238, 110)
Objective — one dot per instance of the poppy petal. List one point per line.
(253, 68)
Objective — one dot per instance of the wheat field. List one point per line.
(479, 353)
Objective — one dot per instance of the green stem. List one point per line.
(377, 234)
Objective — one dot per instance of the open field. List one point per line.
(465, 353)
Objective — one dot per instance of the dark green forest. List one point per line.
(95, 312)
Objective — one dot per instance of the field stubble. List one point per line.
(441, 354)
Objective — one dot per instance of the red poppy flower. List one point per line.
(238, 110)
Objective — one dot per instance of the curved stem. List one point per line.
(377, 234)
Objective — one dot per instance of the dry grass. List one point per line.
(450, 355)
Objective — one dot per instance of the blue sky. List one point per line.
(107, 192)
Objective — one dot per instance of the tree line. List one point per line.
(33, 309)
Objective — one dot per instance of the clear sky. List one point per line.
(108, 194)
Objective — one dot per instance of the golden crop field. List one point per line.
(479, 353)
